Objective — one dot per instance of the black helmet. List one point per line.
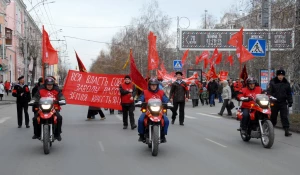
(251, 80)
(153, 81)
(49, 81)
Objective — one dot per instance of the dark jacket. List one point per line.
(220, 89)
(18, 90)
(281, 90)
(212, 87)
(179, 92)
(33, 92)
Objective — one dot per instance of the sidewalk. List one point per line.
(8, 99)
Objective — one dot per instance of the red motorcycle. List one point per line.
(260, 125)
(153, 121)
(47, 120)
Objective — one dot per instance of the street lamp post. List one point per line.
(42, 2)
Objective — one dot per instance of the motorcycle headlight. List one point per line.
(45, 107)
(155, 108)
(264, 103)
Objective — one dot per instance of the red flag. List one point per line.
(80, 64)
(230, 60)
(49, 53)
(135, 75)
(186, 53)
(162, 68)
(244, 74)
(236, 38)
(214, 55)
(211, 73)
(245, 55)
(205, 63)
(153, 59)
(202, 57)
(219, 59)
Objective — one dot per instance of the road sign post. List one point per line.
(177, 65)
(257, 47)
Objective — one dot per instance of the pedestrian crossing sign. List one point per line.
(257, 47)
(177, 65)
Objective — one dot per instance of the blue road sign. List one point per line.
(257, 47)
(177, 65)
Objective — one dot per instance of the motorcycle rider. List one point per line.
(48, 91)
(250, 91)
(281, 90)
(153, 91)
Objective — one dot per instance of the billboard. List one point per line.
(263, 78)
(209, 39)
(190, 72)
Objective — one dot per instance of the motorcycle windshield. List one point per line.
(154, 102)
(46, 101)
(262, 97)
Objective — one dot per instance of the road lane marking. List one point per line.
(190, 117)
(208, 115)
(216, 143)
(101, 146)
(2, 120)
(119, 117)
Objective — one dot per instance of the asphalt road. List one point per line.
(207, 144)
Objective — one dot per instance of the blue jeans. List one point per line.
(141, 127)
(220, 98)
(246, 118)
(212, 99)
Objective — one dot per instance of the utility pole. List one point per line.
(178, 36)
(269, 39)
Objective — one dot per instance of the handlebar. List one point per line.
(144, 104)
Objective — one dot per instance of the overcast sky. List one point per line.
(108, 13)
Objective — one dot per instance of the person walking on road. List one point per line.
(212, 88)
(226, 94)
(204, 96)
(92, 111)
(220, 91)
(179, 94)
(280, 89)
(22, 93)
(128, 92)
(7, 87)
(1, 90)
(194, 93)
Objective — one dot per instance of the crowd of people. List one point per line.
(177, 92)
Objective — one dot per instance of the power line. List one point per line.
(109, 27)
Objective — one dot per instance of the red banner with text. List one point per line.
(223, 75)
(97, 90)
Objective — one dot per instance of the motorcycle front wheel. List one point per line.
(267, 139)
(246, 137)
(155, 140)
(46, 139)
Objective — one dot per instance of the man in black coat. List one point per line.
(179, 94)
(280, 89)
(22, 93)
(212, 88)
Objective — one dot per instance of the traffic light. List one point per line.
(0, 67)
